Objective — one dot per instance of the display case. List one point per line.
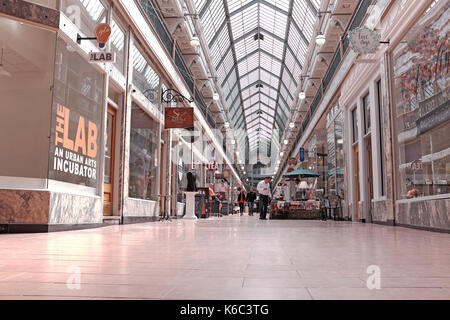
(305, 209)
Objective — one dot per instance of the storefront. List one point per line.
(86, 148)
(421, 110)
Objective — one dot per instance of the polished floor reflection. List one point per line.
(227, 258)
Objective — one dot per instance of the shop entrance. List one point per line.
(356, 175)
(109, 162)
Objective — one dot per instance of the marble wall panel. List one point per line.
(22, 206)
(75, 209)
(382, 211)
(429, 214)
(30, 11)
(140, 208)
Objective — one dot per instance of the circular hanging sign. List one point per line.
(102, 32)
(364, 40)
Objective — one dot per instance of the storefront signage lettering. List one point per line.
(416, 165)
(179, 118)
(75, 155)
(97, 57)
(213, 166)
(364, 40)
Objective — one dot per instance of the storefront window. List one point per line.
(421, 71)
(117, 40)
(335, 144)
(144, 77)
(355, 125)
(143, 155)
(85, 14)
(27, 58)
(77, 110)
(366, 106)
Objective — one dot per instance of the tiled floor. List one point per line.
(227, 258)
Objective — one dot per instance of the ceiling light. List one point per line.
(302, 95)
(237, 153)
(195, 41)
(286, 142)
(320, 39)
(291, 125)
(227, 124)
(281, 153)
(233, 141)
(216, 96)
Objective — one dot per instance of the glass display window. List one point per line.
(143, 181)
(422, 110)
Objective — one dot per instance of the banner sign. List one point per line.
(302, 154)
(179, 117)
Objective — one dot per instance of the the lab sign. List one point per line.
(98, 57)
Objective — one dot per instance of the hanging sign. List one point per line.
(364, 40)
(292, 161)
(102, 33)
(179, 117)
(302, 154)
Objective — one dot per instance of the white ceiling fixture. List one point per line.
(195, 42)
(216, 96)
(291, 125)
(233, 141)
(320, 39)
(302, 95)
(286, 142)
(227, 124)
(281, 153)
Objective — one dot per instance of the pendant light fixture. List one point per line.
(320, 39)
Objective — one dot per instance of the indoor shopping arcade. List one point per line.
(224, 149)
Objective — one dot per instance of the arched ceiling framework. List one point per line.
(258, 48)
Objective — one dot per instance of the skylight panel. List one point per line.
(273, 20)
(233, 5)
(244, 22)
(272, 46)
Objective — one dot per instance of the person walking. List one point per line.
(265, 195)
(241, 199)
(251, 197)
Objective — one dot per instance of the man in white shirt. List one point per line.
(263, 189)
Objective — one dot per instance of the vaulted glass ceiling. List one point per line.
(258, 48)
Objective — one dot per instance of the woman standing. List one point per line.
(241, 199)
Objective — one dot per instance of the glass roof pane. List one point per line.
(274, 62)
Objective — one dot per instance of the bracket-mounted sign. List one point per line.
(364, 40)
(102, 33)
(178, 117)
